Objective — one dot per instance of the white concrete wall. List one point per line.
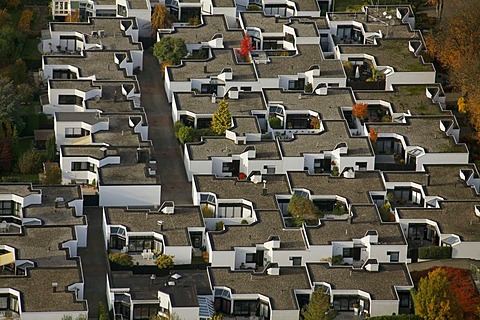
(285, 314)
(441, 158)
(468, 250)
(129, 195)
(383, 307)
(222, 258)
(187, 313)
(183, 255)
(54, 315)
(379, 252)
(409, 78)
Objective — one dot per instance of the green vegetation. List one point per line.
(186, 134)
(170, 50)
(122, 259)
(222, 119)
(275, 123)
(337, 260)
(207, 212)
(164, 261)
(319, 307)
(435, 252)
(300, 207)
(398, 317)
(385, 212)
(219, 226)
(102, 311)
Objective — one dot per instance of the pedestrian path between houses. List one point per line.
(170, 168)
(94, 262)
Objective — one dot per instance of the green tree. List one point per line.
(164, 261)
(9, 102)
(11, 45)
(222, 119)
(185, 134)
(25, 93)
(300, 207)
(51, 147)
(17, 72)
(30, 162)
(170, 49)
(102, 311)
(52, 175)
(319, 307)
(434, 300)
(161, 18)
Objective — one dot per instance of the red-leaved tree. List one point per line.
(245, 47)
(373, 135)
(360, 111)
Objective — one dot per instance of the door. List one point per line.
(357, 251)
(259, 258)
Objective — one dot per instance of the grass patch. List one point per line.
(33, 178)
(349, 5)
(24, 144)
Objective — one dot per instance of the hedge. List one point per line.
(398, 317)
(434, 252)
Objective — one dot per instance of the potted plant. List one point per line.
(356, 308)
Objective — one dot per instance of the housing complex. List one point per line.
(389, 186)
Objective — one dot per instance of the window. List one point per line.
(250, 258)
(361, 165)
(270, 169)
(246, 308)
(226, 166)
(145, 311)
(10, 208)
(83, 166)
(245, 88)
(73, 132)
(67, 99)
(348, 252)
(394, 256)
(121, 10)
(296, 261)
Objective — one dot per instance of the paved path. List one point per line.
(456, 263)
(170, 168)
(94, 262)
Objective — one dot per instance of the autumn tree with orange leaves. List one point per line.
(73, 16)
(245, 47)
(456, 45)
(373, 135)
(25, 21)
(360, 111)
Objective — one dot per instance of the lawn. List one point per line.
(33, 178)
(356, 5)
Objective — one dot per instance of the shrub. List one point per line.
(300, 207)
(123, 259)
(102, 311)
(308, 87)
(275, 123)
(339, 209)
(335, 171)
(435, 252)
(164, 261)
(185, 134)
(398, 317)
(385, 213)
(170, 49)
(244, 221)
(30, 162)
(207, 212)
(337, 260)
(242, 176)
(219, 226)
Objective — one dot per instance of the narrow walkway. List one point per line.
(94, 262)
(170, 168)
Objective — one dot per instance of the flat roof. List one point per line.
(268, 24)
(174, 227)
(138, 4)
(328, 106)
(355, 190)
(406, 99)
(279, 288)
(90, 118)
(231, 188)
(50, 214)
(202, 103)
(42, 245)
(222, 59)
(364, 218)
(114, 38)
(379, 284)
(212, 25)
(100, 64)
(77, 84)
(119, 131)
(453, 217)
(444, 181)
(373, 20)
(309, 55)
(269, 224)
(223, 147)
(244, 125)
(390, 52)
(424, 132)
(36, 289)
(129, 171)
(182, 294)
(19, 189)
(335, 133)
